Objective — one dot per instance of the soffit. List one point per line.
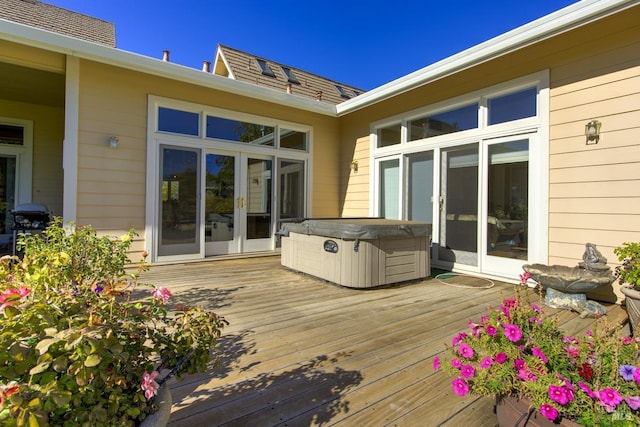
(32, 86)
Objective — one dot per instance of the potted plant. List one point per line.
(516, 352)
(83, 341)
(628, 275)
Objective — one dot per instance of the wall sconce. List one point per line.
(592, 132)
(113, 142)
(354, 166)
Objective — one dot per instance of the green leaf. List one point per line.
(43, 346)
(10, 312)
(39, 368)
(92, 360)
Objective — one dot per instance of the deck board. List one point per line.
(301, 351)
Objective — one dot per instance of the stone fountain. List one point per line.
(566, 287)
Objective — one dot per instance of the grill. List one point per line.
(29, 218)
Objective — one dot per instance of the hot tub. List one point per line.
(357, 252)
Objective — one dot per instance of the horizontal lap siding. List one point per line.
(594, 190)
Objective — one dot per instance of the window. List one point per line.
(237, 131)
(512, 106)
(389, 189)
(291, 78)
(456, 120)
(293, 139)
(389, 135)
(177, 121)
(342, 92)
(264, 68)
(11, 135)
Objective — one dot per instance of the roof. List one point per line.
(56, 19)
(244, 66)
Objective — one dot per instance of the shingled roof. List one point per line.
(56, 19)
(243, 66)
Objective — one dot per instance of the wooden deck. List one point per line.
(300, 351)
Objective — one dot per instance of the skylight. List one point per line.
(264, 68)
(291, 78)
(342, 92)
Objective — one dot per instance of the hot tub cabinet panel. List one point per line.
(382, 258)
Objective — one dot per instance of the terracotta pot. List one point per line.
(512, 411)
(632, 301)
(160, 418)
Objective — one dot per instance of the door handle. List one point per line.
(240, 203)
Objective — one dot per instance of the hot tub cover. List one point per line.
(360, 228)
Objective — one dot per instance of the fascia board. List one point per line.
(556, 23)
(47, 40)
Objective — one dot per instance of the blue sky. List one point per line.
(359, 43)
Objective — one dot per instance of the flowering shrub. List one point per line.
(518, 350)
(83, 342)
(628, 272)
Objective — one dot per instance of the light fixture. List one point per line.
(354, 166)
(592, 132)
(113, 142)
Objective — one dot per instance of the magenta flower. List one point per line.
(456, 363)
(548, 411)
(460, 387)
(455, 340)
(587, 390)
(609, 398)
(491, 330)
(535, 307)
(501, 358)
(161, 294)
(560, 395)
(436, 363)
(467, 371)
(527, 375)
(149, 384)
(12, 296)
(512, 332)
(486, 362)
(636, 376)
(524, 277)
(633, 402)
(465, 350)
(539, 354)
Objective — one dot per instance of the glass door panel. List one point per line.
(389, 188)
(257, 204)
(420, 187)
(179, 232)
(219, 205)
(458, 239)
(507, 220)
(7, 202)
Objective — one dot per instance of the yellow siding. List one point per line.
(31, 57)
(111, 183)
(48, 133)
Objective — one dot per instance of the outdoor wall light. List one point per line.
(592, 132)
(113, 142)
(354, 166)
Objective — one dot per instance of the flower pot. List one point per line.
(513, 411)
(632, 302)
(160, 418)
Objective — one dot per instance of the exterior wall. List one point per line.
(31, 57)
(594, 190)
(111, 183)
(48, 133)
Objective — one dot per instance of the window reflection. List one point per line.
(237, 131)
(513, 106)
(455, 120)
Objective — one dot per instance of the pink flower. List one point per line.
(609, 398)
(512, 332)
(535, 307)
(627, 340)
(465, 350)
(436, 363)
(456, 363)
(456, 340)
(587, 390)
(491, 330)
(501, 358)
(527, 375)
(539, 354)
(524, 277)
(633, 402)
(468, 371)
(636, 376)
(460, 387)
(12, 296)
(161, 294)
(560, 395)
(548, 411)
(486, 362)
(149, 384)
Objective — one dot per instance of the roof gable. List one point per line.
(244, 66)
